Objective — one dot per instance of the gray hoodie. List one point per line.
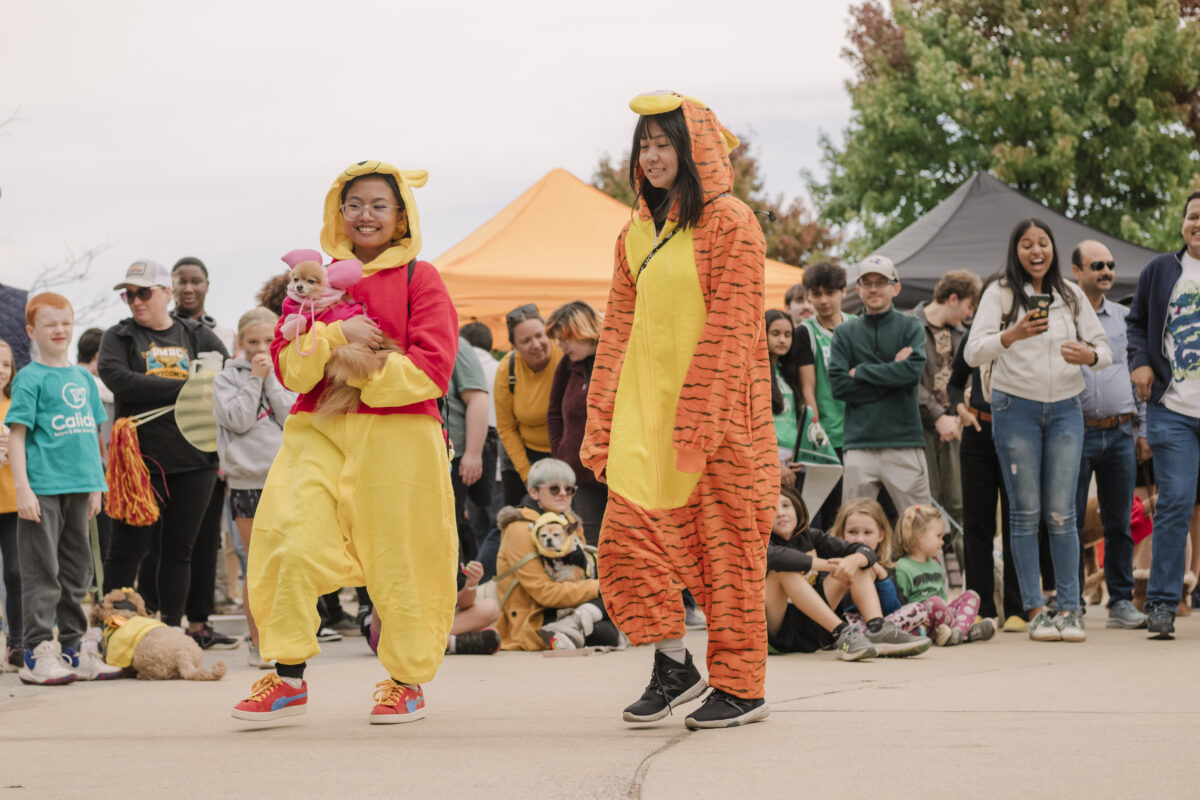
(250, 414)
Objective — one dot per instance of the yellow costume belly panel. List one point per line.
(668, 318)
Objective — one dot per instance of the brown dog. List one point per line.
(155, 651)
(310, 282)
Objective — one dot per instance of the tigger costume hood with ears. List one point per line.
(711, 142)
(405, 248)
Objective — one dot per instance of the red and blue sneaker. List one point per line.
(397, 702)
(272, 697)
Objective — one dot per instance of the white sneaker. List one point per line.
(47, 667)
(88, 664)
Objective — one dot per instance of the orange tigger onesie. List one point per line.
(679, 421)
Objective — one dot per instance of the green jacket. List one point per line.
(881, 398)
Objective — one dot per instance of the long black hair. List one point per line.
(1015, 275)
(787, 367)
(686, 188)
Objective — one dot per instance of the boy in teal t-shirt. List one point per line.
(54, 449)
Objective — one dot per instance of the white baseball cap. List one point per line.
(145, 272)
(879, 265)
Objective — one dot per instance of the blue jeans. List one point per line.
(1039, 446)
(1175, 440)
(1110, 454)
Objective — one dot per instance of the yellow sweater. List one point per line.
(8, 492)
(521, 421)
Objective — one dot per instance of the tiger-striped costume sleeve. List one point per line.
(610, 354)
(719, 368)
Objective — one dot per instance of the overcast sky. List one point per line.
(168, 129)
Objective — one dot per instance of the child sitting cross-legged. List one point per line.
(863, 521)
(814, 571)
(920, 579)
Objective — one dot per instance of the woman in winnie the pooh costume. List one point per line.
(680, 422)
(363, 498)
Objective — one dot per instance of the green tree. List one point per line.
(1088, 106)
(795, 237)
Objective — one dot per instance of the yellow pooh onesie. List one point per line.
(365, 498)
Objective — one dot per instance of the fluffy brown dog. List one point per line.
(155, 651)
(310, 284)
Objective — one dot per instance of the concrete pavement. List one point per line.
(1113, 717)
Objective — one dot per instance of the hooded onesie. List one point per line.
(679, 421)
(364, 498)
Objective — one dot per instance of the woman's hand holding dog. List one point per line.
(362, 330)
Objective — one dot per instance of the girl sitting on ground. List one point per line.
(814, 571)
(920, 579)
(863, 521)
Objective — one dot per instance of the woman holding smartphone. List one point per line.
(1036, 331)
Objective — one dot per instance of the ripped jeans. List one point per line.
(1039, 446)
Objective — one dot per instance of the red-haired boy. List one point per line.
(55, 455)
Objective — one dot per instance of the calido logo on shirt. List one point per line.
(74, 395)
(75, 423)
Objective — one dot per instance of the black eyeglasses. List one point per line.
(556, 489)
(521, 313)
(1097, 266)
(143, 294)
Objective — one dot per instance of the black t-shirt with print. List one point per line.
(145, 369)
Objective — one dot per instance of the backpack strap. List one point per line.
(512, 373)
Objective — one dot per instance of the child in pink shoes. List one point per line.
(920, 579)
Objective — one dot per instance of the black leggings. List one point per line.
(12, 578)
(183, 502)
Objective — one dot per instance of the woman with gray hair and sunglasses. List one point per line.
(522, 395)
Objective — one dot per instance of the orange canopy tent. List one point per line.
(551, 245)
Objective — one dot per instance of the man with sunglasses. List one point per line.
(1114, 436)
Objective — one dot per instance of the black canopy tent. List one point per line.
(970, 229)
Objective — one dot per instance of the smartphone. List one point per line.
(1040, 305)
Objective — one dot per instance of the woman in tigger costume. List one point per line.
(363, 498)
(680, 420)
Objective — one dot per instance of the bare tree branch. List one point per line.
(69, 278)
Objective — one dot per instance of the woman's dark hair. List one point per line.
(1015, 275)
(787, 367)
(273, 292)
(686, 188)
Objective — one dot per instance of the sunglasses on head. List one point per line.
(521, 313)
(555, 489)
(1097, 266)
(142, 293)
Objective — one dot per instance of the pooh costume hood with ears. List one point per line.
(405, 248)
(711, 142)
(679, 416)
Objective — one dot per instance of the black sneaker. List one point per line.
(671, 684)
(477, 643)
(208, 639)
(723, 710)
(1160, 621)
